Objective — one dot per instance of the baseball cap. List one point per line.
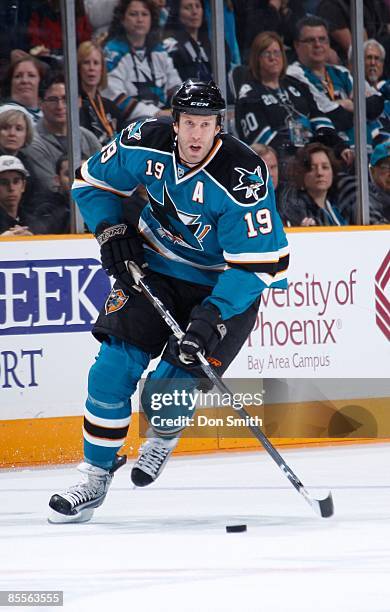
(9, 162)
(381, 151)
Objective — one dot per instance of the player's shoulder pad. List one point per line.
(149, 134)
(240, 172)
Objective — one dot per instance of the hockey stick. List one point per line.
(323, 507)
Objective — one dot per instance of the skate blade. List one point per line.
(81, 517)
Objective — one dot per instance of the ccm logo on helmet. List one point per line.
(199, 104)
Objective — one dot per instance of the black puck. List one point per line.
(235, 528)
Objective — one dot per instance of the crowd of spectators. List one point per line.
(289, 82)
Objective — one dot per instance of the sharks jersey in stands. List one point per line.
(215, 224)
(263, 113)
(338, 85)
(384, 120)
(139, 80)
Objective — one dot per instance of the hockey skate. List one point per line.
(77, 504)
(154, 454)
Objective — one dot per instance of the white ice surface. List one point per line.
(165, 547)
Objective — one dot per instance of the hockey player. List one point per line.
(209, 241)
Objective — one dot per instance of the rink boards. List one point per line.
(332, 324)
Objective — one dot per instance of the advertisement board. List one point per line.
(334, 319)
(50, 295)
(332, 322)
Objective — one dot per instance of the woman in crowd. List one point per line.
(141, 75)
(311, 199)
(16, 132)
(21, 85)
(278, 110)
(187, 40)
(98, 114)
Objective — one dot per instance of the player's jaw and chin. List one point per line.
(195, 137)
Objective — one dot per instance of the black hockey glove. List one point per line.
(120, 244)
(205, 330)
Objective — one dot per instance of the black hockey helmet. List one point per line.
(198, 98)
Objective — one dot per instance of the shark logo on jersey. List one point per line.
(251, 181)
(178, 226)
(134, 131)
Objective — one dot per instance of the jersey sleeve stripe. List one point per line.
(94, 182)
(270, 267)
(271, 256)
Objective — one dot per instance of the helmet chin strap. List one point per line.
(181, 159)
(189, 164)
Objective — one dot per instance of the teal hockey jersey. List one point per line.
(215, 224)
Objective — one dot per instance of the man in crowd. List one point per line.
(331, 85)
(13, 222)
(379, 187)
(50, 140)
(374, 59)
